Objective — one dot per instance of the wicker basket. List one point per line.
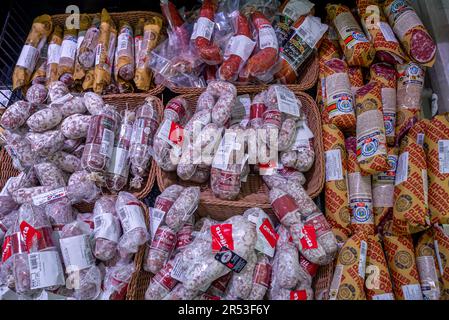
(130, 16)
(306, 81)
(254, 192)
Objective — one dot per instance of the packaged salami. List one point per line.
(104, 53)
(339, 102)
(80, 72)
(290, 12)
(336, 190)
(304, 38)
(356, 78)
(371, 139)
(410, 211)
(66, 65)
(409, 29)
(402, 265)
(408, 97)
(36, 39)
(385, 75)
(151, 34)
(357, 48)
(388, 49)
(442, 250)
(437, 150)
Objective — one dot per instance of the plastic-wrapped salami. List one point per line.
(20, 151)
(41, 267)
(81, 188)
(290, 12)
(66, 64)
(49, 174)
(79, 71)
(100, 140)
(47, 143)
(240, 285)
(261, 278)
(94, 103)
(304, 38)
(144, 130)
(410, 211)
(83, 276)
(17, 114)
(151, 34)
(37, 94)
(337, 94)
(379, 32)
(87, 49)
(357, 48)
(238, 50)
(442, 242)
(118, 169)
(116, 281)
(107, 230)
(13, 245)
(132, 219)
(408, 97)
(36, 39)
(65, 161)
(161, 284)
(76, 126)
(44, 119)
(336, 189)
(437, 146)
(409, 29)
(124, 66)
(371, 139)
(59, 213)
(104, 53)
(160, 250)
(54, 54)
(183, 208)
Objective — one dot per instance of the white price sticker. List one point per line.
(54, 53)
(412, 292)
(443, 156)
(107, 227)
(296, 8)
(223, 154)
(28, 57)
(287, 101)
(131, 217)
(402, 169)
(334, 167)
(45, 269)
(76, 252)
(203, 28)
(267, 37)
(241, 46)
(68, 49)
(312, 30)
(49, 196)
(107, 143)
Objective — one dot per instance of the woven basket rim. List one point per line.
(113, 15)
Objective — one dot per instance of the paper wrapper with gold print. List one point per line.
(428, 268)
(104, 53)
(437, 144)
(66, 66)
(383, 189)
(357, 48)
(336, 190)
(400, 256)
(386, 75)
(388, 49)
(80, 73)
(378, 285)
(337, 94)
(412, 33)
(360, 194)
(349, 275)
(371, 140)
(410, 211)
(36, 39)
(442, 253)
(410, 85)
(151, 33)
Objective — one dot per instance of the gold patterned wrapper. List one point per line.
(436, 143)
(348, 281)
(378, 284)
(400, 256)
(442, 253)
(358, 50)
(336, 191)
(428, 268)
(410, 211)
(36, 39)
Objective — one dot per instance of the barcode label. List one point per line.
(131, 217)
(68, 49)
(28, 57)
(107, 143)
(98, 54)
(443, 156)
(287, 101)
(123, 40)
(203, 28)
(267, 37)
(412, 292)
(402, 169)
(311, 31)
(296, 8)
(156, 217)
(362, 260)
(420, 139)
(98, 221)
(179, 269)
(335, 284)
(223, 154)
(45, 269)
